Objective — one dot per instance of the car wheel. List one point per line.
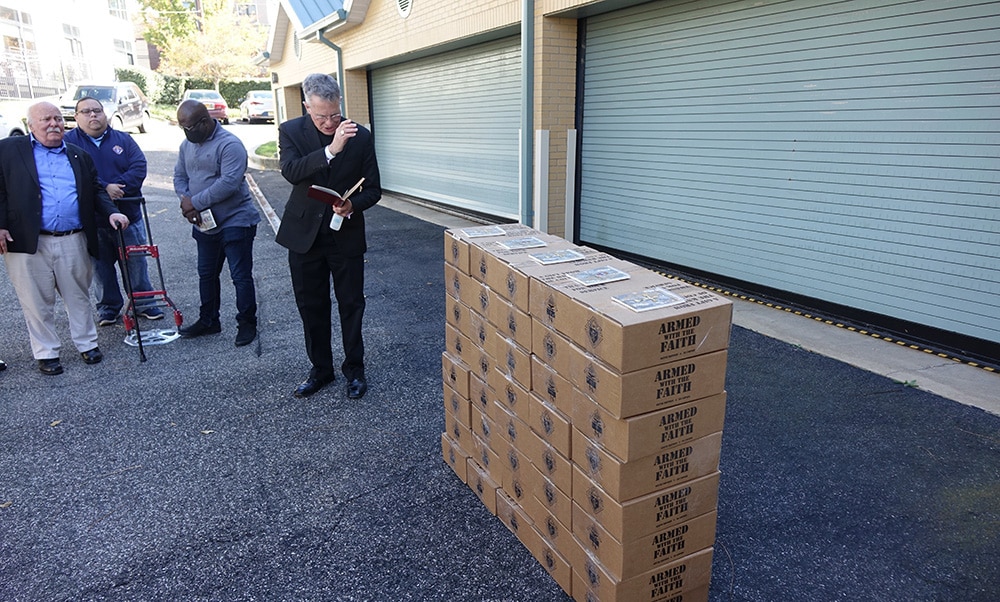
(118, 124)
(143, 122)
(225, 121)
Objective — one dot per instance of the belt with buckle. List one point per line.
(60, 232)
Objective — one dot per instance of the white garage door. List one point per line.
(845, 151)
(446, 127)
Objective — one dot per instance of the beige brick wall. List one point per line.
(384, 37)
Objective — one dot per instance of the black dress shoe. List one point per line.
(313, 384)
(356, 388)
(3, 365)
(197, 329)
(245, 334)
(51, 367)
(94, 356)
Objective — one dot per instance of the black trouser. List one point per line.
(311, 273)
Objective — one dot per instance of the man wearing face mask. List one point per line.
(208, 178)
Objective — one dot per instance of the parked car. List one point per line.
(11, 125)
(257, 106)
(213, 101)
(124, 103)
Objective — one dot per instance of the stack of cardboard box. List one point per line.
(584, 399)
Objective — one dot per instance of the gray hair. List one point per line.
(321, 85)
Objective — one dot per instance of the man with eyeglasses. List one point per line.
(121, 169)
(208, 179)
(327, 149)
(50, 203)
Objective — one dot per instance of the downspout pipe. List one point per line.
(321, 36)
(527, 110)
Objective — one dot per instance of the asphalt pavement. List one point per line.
(195, 475)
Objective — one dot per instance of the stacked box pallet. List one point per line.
(585, 399)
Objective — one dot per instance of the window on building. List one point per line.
(118, 9)
(14, 16)
(73, 43)
(123, 48)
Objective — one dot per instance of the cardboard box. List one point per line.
(510, 321)
(631, 393)
(460, 407)
(457, 240)
(471, 292)
(686, 579)
(511, 395)
(511, 514)
(554, 563)
(550, 424)
(548, 461)
(455, 280)
(546, 494)
(461, 347)
(630, 340)
(510, 427)
(480, 393)
(628, 559)
(553, 531)
(488, 258)
(517, 482)
(483, 427)
(548, 384)
(482, 485)
(458, 432)
(487, 459)
(511, 359)
(455, 457)
(627, 480)
(646, 434)
(456, 251)
(455, 374)
(632, 519)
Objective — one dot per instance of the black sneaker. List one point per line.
(199, 328)
(245, 334)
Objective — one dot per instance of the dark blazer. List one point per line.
(303, 163)
(21, 195)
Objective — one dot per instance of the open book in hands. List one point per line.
(334, 199)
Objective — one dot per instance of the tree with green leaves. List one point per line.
(215, 44)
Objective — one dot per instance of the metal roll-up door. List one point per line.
(446, 127)
(844, 151)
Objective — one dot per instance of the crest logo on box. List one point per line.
(481, 334)
(479, 487)
(597, 425)
(550, 346)
(592, 574)
(451, 456)
(550, 526)
(547, 423)
(550, 562)
(593, 459)
(458, 345)
(454, 404)
(511, 324)
(484, 300)
(454, 249)
(453, 377)
(482, 266)
(511, 431)
(590, 376)
(594, 334)
(591, 597)
(518, 490)
(486, 459)
(550, 494)
(550, 308)
(595, 500)
(512, 458)
(550, 388)
(550, 462)
(511, 360)
(456, 284)
(595, 538)
(513, 522)
(484, 367)
(484, 398)
(511, 284)
(457, 312)
(486, 428)
(511, 395)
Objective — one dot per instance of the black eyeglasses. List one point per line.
(188, 128)
(90, 111)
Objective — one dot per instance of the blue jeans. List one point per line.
(235, 245)
(109, 295)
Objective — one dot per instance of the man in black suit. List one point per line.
(327, 149)
(50, 200)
